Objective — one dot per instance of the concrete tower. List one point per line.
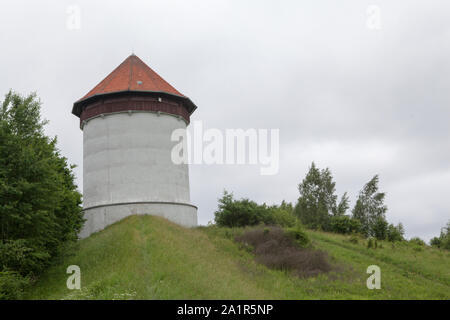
(127, 121)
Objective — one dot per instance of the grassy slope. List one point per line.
(146, 257)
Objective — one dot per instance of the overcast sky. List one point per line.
(357, 95)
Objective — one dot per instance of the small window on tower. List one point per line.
(139, 82)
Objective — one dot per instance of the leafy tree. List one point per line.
(443, 241)
(39, 202)
(317, 201)
(370, 210)
(395, 233)
(283, 215)
(240, 213)
(344, 224)
(380, 228)
(244, 212)
(435, 242)
(417, 241)
(343, 206)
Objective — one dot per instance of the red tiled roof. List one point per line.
(132, 75)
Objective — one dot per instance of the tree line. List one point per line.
(318, 207)
(40, 207)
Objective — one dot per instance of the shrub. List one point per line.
(283, 217)
(298, 234)
(380, 228)
(277, 250)
(435, 242)
(395, 233)
(244, 212)
(417, 241)
(344, 224)
(22, 256)
(370, 243)
(443, 241)
(240, 213)
(12, 285)
(353, 239)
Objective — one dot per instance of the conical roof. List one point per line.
(132, 75)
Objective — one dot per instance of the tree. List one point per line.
(370, 210)
(283, 215)
(342, 207)
(39, 202)
(395, 233)
(443, 241)
(317, 201)
(240, 213)
(344, 224)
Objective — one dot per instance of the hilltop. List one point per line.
(146, 257)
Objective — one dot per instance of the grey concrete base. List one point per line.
(99, 217)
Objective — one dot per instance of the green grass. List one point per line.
(145, 257)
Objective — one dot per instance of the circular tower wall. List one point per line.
(127, 121)
(127, 165)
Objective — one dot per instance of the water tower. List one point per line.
(127, 122)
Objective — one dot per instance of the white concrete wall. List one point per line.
(100, 217)
(127, 159)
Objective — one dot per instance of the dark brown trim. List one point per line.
(113, 104)
(80, 105)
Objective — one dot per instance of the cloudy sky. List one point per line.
(361, 87)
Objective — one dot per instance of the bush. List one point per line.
(395, 233)
(380, 228)
(344, 224)
(22, 256)
(240, 213)
(436, 242)
(298, 234)
(353, 239)
(276, 250)
(282, 217)
(443, 241)
(417, 241)
(244, 212)
(12, 285)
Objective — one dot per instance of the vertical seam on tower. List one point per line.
(109, 162)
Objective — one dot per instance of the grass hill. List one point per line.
(146, 257)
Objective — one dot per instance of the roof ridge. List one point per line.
(121, 79)
(161, 78)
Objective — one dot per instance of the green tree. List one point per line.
(395, 233)
(240, 213)
(344, 224)
(283, 215)
(443, 241)
(39, 202)
(370, 210)
(318, 201)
